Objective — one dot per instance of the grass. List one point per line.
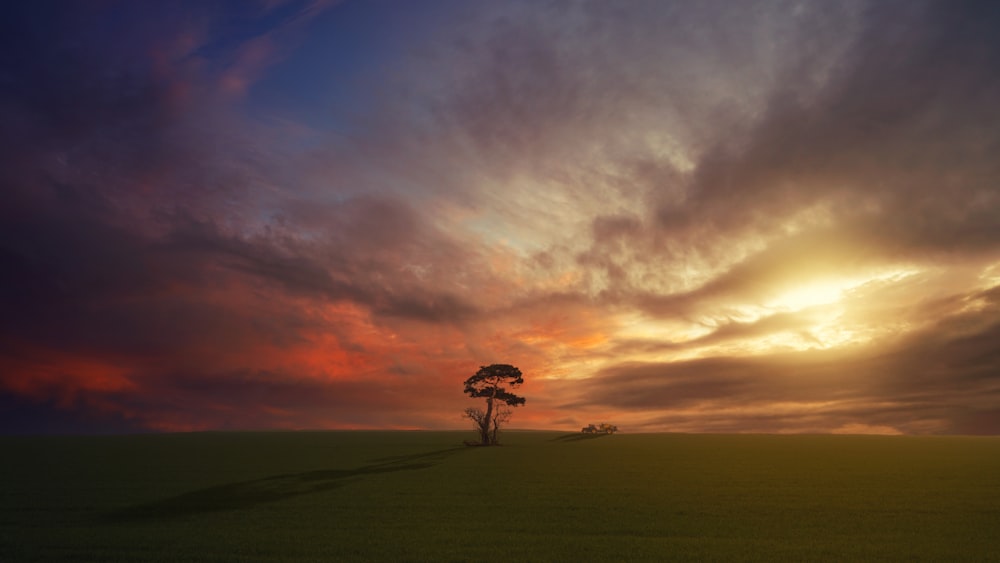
(416, 496)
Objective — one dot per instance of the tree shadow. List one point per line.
(436, 455)
(578, 437)
(247, 494)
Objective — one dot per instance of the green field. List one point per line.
(543, 496)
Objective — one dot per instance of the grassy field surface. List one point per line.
(543, 496)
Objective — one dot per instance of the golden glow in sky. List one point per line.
(811, 295)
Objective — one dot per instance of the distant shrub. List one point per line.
(602, 428)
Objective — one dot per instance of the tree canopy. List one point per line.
(493, 382)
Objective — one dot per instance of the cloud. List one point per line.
(898, 126)
(941, 378)
(716, 216)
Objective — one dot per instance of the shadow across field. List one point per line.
(246, 494)
(436, 455)
(578, 437)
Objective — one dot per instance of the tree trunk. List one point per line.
(487, 420)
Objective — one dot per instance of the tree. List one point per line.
(491, 382)
(604, 428)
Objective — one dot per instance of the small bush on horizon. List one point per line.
(602, 428)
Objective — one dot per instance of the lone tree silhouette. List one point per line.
(490, 382)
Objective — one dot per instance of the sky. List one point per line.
(714, 216)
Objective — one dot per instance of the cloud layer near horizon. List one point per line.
(715, 216)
